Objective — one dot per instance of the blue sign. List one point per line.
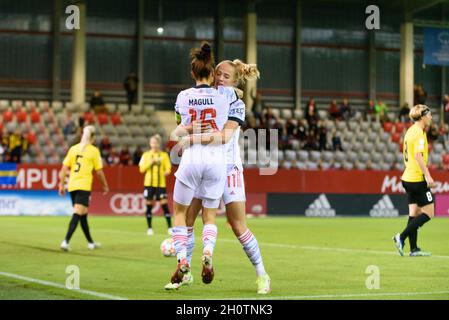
(8, 173)
(436, 46)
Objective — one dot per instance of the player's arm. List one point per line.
(104, 182)
(167, 164)
(418, 148)
(98, 167)
(144, 165)
(216, 137)
(420, 160)
(62, 176)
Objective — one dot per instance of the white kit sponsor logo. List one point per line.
(384, 208)
(320, 208)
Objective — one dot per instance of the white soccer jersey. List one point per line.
(236, 113)
(203, 167)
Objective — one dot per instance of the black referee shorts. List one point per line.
(80, 197)
(418, 193)
(155, 193)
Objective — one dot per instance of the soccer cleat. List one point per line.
(208, 270)
(65, 246)
(150, 232)
(263, 284)
(182, 269)
(93, 245)
(398, 243)
(419, 253)
(170, 231)
(172, 286)
(187, 279)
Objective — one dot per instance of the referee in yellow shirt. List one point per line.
(416, 180)
(81, 160)
(155, 164)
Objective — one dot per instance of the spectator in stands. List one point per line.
(113, 158)
(345, 110)
(445, 105)
(3, 144)
(404, 113)
(381, 110)
(419, 95)
(125, 156)
(97, 103)
(105, 148)
(334, 111)
(269, 120)
(432, 133)
(17, 145)
(311, 140)
(130, 85)
(311, 116)
(137, 155)
(311, 102)
(322, 136)
(290, 128)
(336, 142)
(370, 111)
(257, 106)
(69, 126)
(301, 132)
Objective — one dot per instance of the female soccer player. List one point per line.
(202, 167)
(232, 73)
(81, 160)
(416, 180)
(156, 166)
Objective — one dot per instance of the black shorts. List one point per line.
(155, 193)
(418, 193)
(80, 197)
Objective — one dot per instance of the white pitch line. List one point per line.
(60, 286)
(314, 248)
(355, 295)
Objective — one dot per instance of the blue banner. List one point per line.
(8, 173)
(436, 46)
(34, 203)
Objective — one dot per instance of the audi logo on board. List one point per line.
(128, 203)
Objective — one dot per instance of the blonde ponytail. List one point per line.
(245, 71)
(87, 137)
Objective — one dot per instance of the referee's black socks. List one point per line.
(149, 209)
(413, 225)
(72, 226)
(167, 214)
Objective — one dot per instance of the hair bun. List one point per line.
(206, 48)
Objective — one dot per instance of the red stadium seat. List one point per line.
(116, 119)
(31, 137)
(8, 115)
(89, 117)
(102, 118)
(446, 159)
(399, 127)
(408, 124)
(21, 115)
(35, 116)
(388, 126)
(396, 137)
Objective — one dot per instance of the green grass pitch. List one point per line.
(307, 258)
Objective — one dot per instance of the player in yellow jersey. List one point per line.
(81, 160)
(416, 180)
(155, 164)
